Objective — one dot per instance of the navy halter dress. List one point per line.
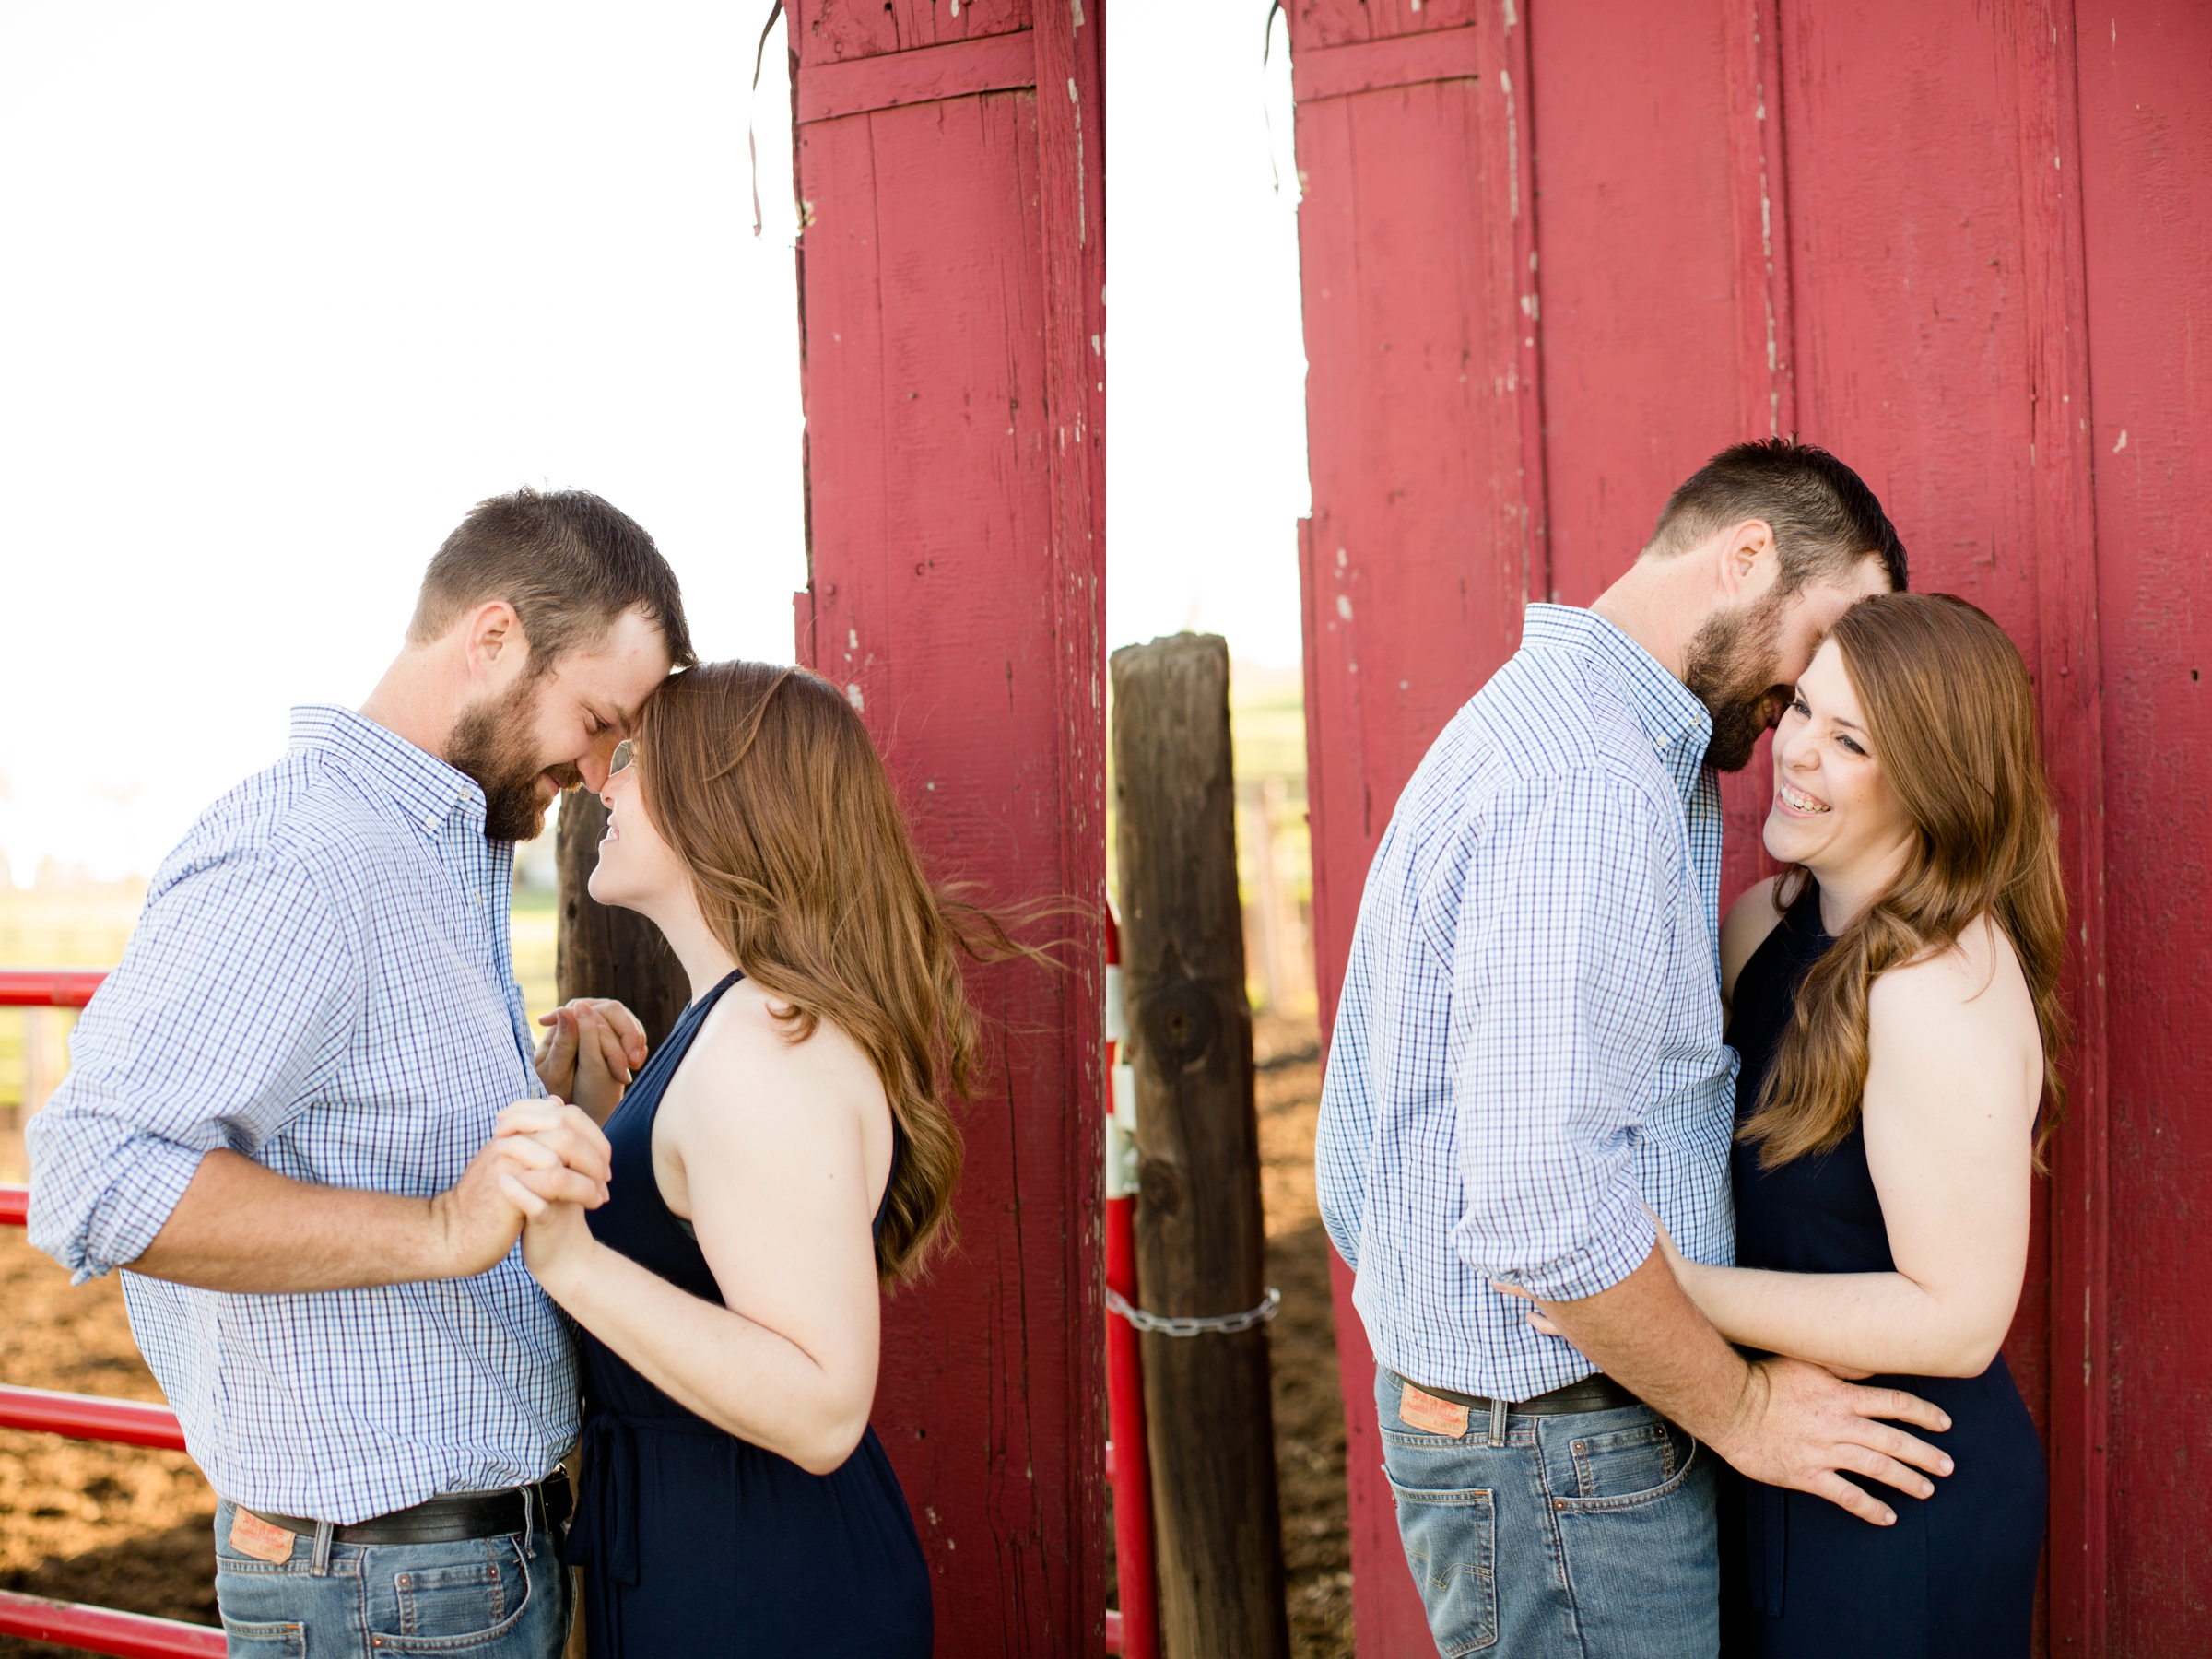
(695, 1544)
(1801, 1579)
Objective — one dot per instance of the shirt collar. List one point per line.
(428, 790)
(1677, 724)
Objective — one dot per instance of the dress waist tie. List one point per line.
(603, 1535)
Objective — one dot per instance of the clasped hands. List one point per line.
(547, 1161)
(589, 1053)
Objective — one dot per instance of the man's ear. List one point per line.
(1749, 563)
(492, 640)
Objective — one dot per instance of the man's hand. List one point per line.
(242, 1228)
(477, 1223)
(1799, 1424)
(1783, 1421)
(589, 1053)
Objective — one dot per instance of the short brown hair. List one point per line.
(569, 562)
(1824, 518)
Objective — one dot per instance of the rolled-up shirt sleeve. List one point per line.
(1560, 976)
(235, 995)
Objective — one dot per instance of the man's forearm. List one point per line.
(1648, 1336)
(246, 1228)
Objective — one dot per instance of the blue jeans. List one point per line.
(487, 1598)
(1588, 1535)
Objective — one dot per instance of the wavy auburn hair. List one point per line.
(1951, 719)
(767, 785)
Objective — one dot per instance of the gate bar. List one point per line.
(104, 1631)
(49, 987)
(90, 1418)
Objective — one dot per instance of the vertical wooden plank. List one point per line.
(1415, 241)
(2069, 677)
(1071, 80)
(2144, 79)
(1665, 316)
(1642, 364)
(1938, 312)
(953, 404)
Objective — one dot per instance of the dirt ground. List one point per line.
(130, 1528)
(116, 1525)
(1309, 1405)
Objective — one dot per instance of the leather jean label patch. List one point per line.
(262, 1540)
(1430, 1414)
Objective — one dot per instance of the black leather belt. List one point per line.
(453, 1519)
(1596, 1391)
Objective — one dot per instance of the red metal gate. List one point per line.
(1556, 253)
(84, 1417)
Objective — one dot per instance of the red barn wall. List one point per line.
(1556, 253)
(951, 269)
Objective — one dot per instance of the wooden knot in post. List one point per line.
(1179, 1022)
(1158, 1186)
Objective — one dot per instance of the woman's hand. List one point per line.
(589, 1053)
(556, 1241)
(1676, 1264)
(1675, 1258)
(543, 1148)
(543, 1137)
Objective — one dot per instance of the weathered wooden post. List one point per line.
(602, 951)
(1201, 1242)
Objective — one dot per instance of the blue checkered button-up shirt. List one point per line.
(322, 980)
(1527, 1047)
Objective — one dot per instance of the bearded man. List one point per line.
(280, 1097)
(1528, 1053)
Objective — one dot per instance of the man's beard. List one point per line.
(492, 743)
(1730, 667)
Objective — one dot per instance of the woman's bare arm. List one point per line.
(1954, 1078)
(771, 1155)
(1750, 920)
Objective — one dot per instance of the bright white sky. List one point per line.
(289, 287)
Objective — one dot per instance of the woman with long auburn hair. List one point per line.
(787, 1155)
(1893, 996)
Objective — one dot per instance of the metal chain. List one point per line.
(1191, 1325)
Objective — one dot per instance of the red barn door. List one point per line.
(1556, 253)
(951, 264)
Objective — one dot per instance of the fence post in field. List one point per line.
(604, 951)
(1201, 1243)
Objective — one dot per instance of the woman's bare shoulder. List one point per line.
(752, 1061)
(1977, 978)
(1952, 1021)
(1750, 918)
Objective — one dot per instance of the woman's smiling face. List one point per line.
(636, 866)
(1833, 811)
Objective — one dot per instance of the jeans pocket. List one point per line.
(265, 1639)
(1626, 1468)
(265, 1608)
(1450, 1547)
(444, 1598)
(1629, 1465)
